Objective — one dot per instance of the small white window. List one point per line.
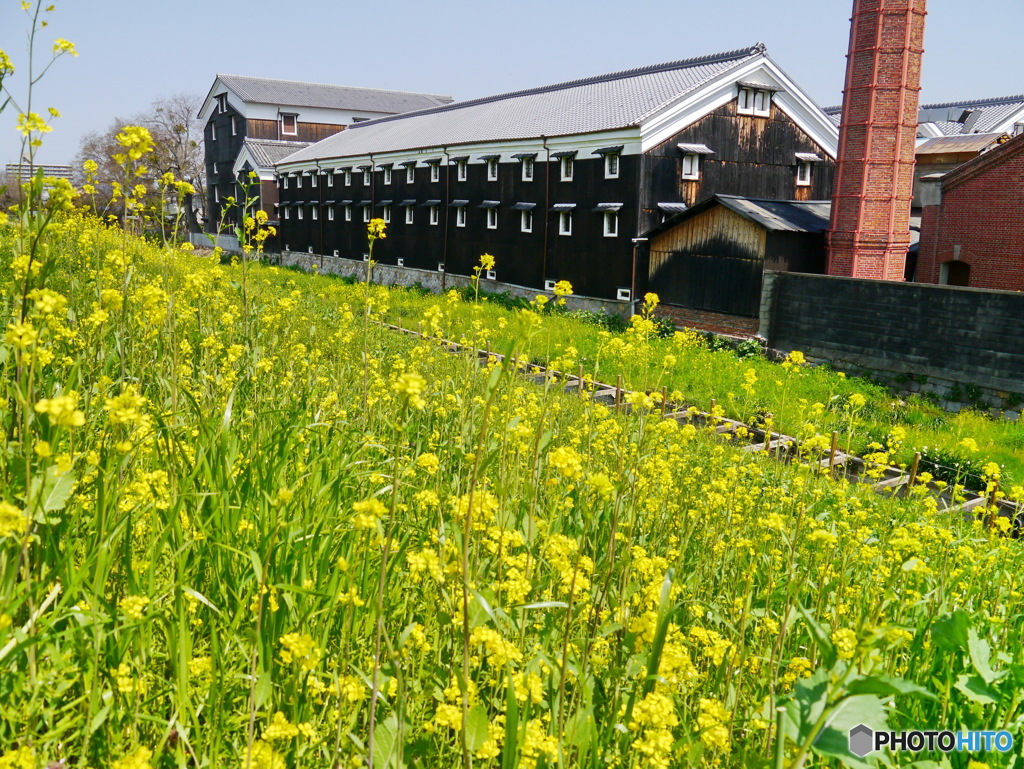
(753, 101)
(434, 214)
(330, 179)
(492, 169)
(222, 103)
(387, 214)
(440, 266)
(366, 214)
(216, 195)
(549, 285)
(460, 216)
(492, 218)
(298, 182)
(285, 180)
(526, 221)
(298, 213)
(623, 294)
(435, 172)
(315, 215)
(337, 253)
(527, 169)
(611, 165)
(691, 166)
(565, 222)
(803, 173)
(366, 177)
(312, 180)
(461, 170)
(387, 174)
(348, 177)
(566, 166)
(287, 215)
(409, 214)
(330, 213)
(401, 262)
(310, 249)
(492, 275)
(234, 126)
(348, 213)
(213, 131)
(611, 224)
(410, 173)
(289, 125)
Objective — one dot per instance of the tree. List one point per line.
(178, 150)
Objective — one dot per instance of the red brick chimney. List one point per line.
(870, 228)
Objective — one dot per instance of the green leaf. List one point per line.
(981, 654)
(805, 705)
(511, 745)
(887, 686)
(834, 739)
(384, 742)
(477, 724)
(825, 645)
(949, 632)
(975, 689)
(57, 490)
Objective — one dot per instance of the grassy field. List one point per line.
(242, 524)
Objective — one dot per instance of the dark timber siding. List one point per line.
(754, 157)
(307, 132)
(595, 265)
(220, 157)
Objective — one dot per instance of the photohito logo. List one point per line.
(864, 740)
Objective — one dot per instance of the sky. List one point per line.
(132, 52)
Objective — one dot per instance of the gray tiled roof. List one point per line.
(600, 103)
(268, 152)
(952, 117)
(782, 215)
(294, 93)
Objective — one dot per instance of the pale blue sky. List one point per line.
(133, 52)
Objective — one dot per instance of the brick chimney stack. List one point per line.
(870, 228)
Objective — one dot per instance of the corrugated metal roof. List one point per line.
(951, 118)
(295, 93)
(268, 152)
(781, 215)
(963, 143)
(601, 103)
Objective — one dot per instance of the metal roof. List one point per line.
(268, 152)
(963, 143)
(600, 103)
(294, 93)
(775, 215)
(971, 116)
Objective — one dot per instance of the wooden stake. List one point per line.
(400, 329)
(618, 392)
(664, 399)
(579, 379)
(832, 451)
(913, 469)
(419, 328)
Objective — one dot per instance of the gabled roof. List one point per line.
(964, 143)
(268, 152)
(294, 93)
(774, 215)
(972, 116)
(602, 103)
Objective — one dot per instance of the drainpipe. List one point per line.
(632, 281)
(320, 214)
(373, 202)
(547, 212)
(447, 218)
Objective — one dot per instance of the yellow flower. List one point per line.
(428, 462)
(21, 335)
(133, 606)
(567, 461)
(137, 760)
(280, 728)
(367, 513)
(411, 386)
(62, 409)
(20, 758)
(13, 522)
(300, 649)
(846, 643)
(262, 756)
(60, 45)
(487, 261)
(123, 409)
(32, 123)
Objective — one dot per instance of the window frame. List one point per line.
(435, 215)
(313, 180)
(298, 215)
(612, 218)
(804, 173)
(492, 218)
(565, 223)
(367, 176)
(348, 213)
(234, 125)
(285, 180)
(330, 213)
(611, 165)
(330, 179)
(492, 169)
(747, 101)
(565, 168)
(213, 131)
(366, 214)
(388, 176)
(410, 214)
(526, 220)
(410, 173)
(527, 175)
(284, 122)
(298, 181)
(348, 177)
(435, 172)
(460, 216)
(461, 170)
(315, 214)
(287, 213)
(222, 103)
(386, 214)
(693, 159)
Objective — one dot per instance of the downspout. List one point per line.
(447, 218)
(373, 200)
(547, 212)
(320, 214)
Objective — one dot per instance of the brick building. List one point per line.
(972, 220)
